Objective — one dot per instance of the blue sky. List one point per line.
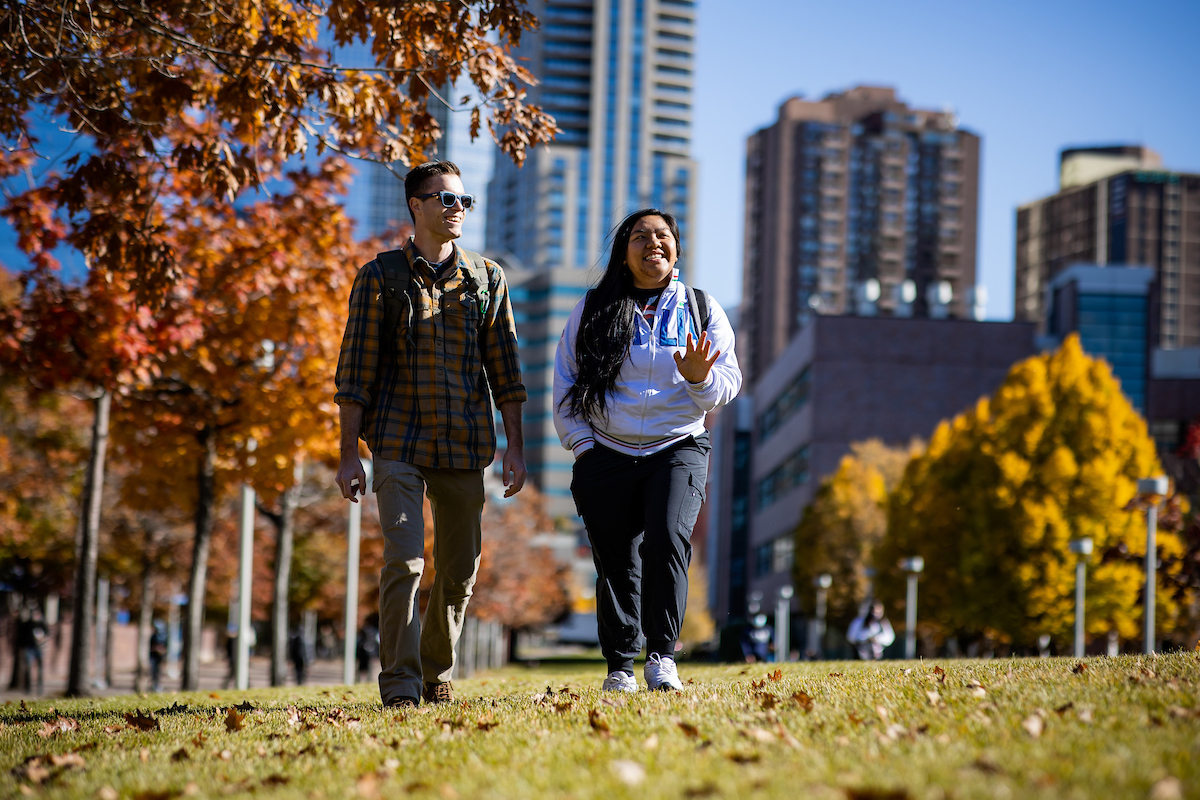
(1029, 77)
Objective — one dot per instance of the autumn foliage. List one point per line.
(1002, 489)
(844, 524)
(228, 93)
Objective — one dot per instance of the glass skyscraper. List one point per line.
(617, 75)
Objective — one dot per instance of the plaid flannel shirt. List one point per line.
(427, 400)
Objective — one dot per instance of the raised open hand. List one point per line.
(695, 362)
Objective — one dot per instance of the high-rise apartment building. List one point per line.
(856, 204)
(1116, 206)
(617, 76)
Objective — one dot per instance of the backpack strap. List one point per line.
(698, 305)
(477, 278)
(396, 275)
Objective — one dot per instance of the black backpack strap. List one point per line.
(698, 304)
(396, 274)
(477, 278)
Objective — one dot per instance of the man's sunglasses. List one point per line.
(450, 198)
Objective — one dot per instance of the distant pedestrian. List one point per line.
(870, 632)
(298, 654)
(31, 635)
(756, 640)
(367, 645)
(158, 653)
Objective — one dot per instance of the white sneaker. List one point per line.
(661, 673)
(619, 682)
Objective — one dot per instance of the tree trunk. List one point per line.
(197, 582)
(285, 526)
(146, 613)
(86, 552)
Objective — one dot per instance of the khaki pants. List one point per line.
(408, 655)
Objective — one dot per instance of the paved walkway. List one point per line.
(212, 677)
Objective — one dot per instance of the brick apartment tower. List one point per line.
(1117, 206)
(856, 203)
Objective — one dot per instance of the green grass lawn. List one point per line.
(1119, 727)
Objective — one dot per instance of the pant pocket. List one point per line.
(689, 509)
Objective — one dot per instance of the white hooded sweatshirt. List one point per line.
(653, 406)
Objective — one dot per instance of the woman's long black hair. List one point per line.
(606, 329)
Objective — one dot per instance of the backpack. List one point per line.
(396, 275)
(698, 303)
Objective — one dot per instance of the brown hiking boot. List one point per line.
(438, 693)
(401, 703)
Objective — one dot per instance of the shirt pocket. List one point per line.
(460, 309)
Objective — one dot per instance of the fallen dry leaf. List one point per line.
(276, 780)
(767, 700)
(486, 724)
(1064, 709)
(1168, 788)
(154, 794)
(368, 786)
(59, 725)
(703, 790)
(803, 700)
(651, 742)
(67, 760)
(1079, 668)
(628, 772)
(758, 735)
(141, 722)
(876, 794)
(144, 755)
(743, 756)
(235, 721)
(599, 723)
(1033, 725)
(935, 699)
(563, 707)
(777, 675)
(689, 730)
(180, 755)
(107, 793)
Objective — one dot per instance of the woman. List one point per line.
(633, 380)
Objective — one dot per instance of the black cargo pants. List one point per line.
(639, 514)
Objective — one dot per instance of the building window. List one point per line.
(788, 475)
(792, 398)
(762, 560)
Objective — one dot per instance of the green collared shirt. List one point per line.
(426, 392)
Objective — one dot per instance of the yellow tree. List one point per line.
(845, 522)
(992, 504)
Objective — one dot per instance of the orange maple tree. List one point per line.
(229, 93)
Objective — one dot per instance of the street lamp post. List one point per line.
(1157, 487)
(913, 566)
(783, 624)
(1083, 549)
(245, 579)
(822, 583)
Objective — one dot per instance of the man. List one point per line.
(418, 395)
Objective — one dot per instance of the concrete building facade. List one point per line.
(840, 380)
(857, 204)
(1116, 206)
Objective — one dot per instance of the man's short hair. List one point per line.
(414, 181)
